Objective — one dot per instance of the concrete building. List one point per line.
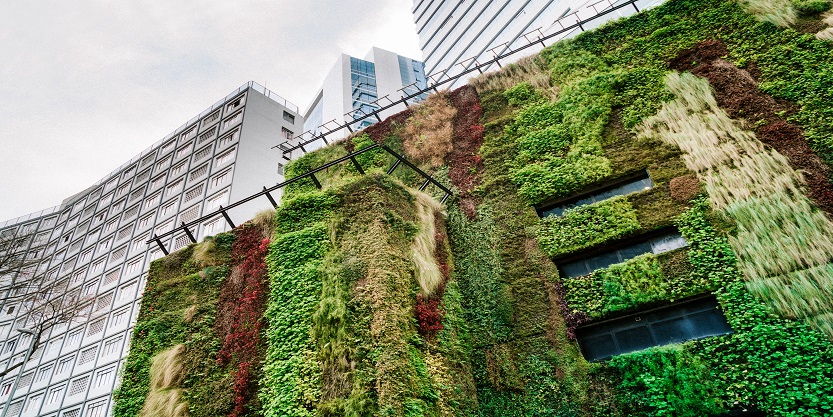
(466, 32)
(355, 87)
(95, 244)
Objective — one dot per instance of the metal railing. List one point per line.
(351, 156)
(442, 78)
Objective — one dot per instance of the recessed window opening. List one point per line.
(675, 323)
(656, 244)
(626, 186)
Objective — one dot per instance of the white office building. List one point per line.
(356, 87)
(95, 246)
(457, 35)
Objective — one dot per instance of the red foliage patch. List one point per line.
(378, 131)
(737, 92)
(240, 310)
(464, 161)
(427, 310)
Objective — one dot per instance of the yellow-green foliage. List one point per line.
(165, 396)
(527, 69)
(828, 32)
(425, 266)
(429, 133)
(778, 12)
(783, 243)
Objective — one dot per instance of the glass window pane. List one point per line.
(599, 347)
(634, 339)
(603, 261)
(574, 269)
(671, 331)
(668, 243)
(633, 251)
(709, 323)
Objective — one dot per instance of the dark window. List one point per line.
(661, 244)
(288, 117)
(675, 323)
(630, 185)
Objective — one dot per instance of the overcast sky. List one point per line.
(86, 85)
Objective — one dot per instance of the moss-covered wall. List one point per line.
(379, 302)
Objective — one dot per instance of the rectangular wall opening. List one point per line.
(675, 323)
(632, 184)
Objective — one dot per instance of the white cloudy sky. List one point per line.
(87, 84)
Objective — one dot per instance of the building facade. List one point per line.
(457, 35)
(95, 246)
(356, 87)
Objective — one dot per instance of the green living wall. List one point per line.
(372, 299)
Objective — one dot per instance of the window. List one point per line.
(110, 184)
(286, 133)
(118, 317)
(117, 206)
(211, 118)
(226, 157)
(74, 337)
(167, 146)
(208, 134)
(202, 153)
(183, 150)
(87, 355)
(104, 377)
(168, 208)
(89, 289)
(10, 345)
(232, 120)
(174, 187)
(6, 388)
(157, 182)
(127, 291)
(189, 214)
(111, 277)
(188, 133)
(44, 372)
(130, 213)
(14, 409)
(78, 276)
(118, 254)
(96, 409)
(661, 244)
(55, 394)
(123, 189)
(153, 255)
(85, 256)
(198, 172)
(104, 302)
(142, 176)
(164, 227)
(288, 117)
(72, 413)
(193, 193)
(33, 402)
(229, 138)
(233, 104)
(217, 200)
(63, 365)
(133, 266)
(178, 168)
(212, 227)
(54, 345)
(152, 200)
(25, 380)
(79, 385)
(630, 185)
(675, 323)
(148, 159)
(111, 346)
(220, 179)
(181, 242)
(139, 242)
(145, 221)
(97, 265)
(162, 164)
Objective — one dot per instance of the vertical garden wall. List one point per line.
(640, 227)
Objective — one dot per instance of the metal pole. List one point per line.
(22, 368)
